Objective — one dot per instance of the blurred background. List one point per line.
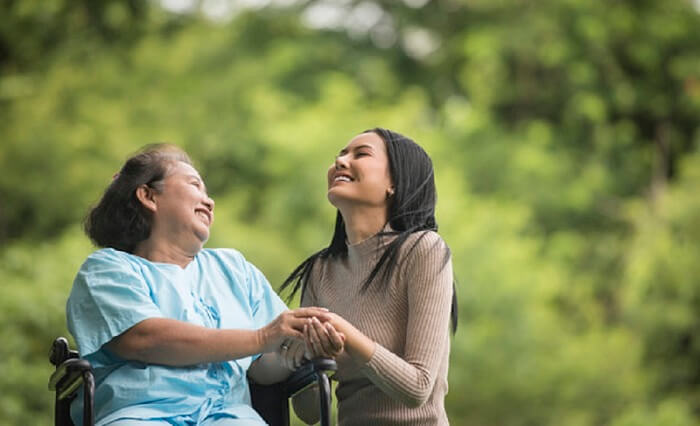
(565, 136)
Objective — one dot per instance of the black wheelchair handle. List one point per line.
(60, 352)
(309, 373)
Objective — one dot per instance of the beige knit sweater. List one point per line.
(405, 381)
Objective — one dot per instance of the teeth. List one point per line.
(342, 179)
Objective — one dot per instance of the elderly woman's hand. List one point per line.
(289, 324)
(322, 339)
(292, 353)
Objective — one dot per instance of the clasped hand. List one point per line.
(318, 338)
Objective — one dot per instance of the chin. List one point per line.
(334, 199)
(203, 238)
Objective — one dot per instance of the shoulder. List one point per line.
(106, 268)
(321, 266)
(107, 254)
(319, 263)
(226, 259)
(108, 258)
(426, 264)
(424, 243)
(226, 255)
(425, 253)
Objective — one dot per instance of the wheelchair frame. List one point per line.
(270, 401)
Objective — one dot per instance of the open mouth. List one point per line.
(342, 178)
(204, 215)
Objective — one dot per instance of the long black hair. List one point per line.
(411, 209)
(119, 220)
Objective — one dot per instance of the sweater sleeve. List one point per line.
(410, 378)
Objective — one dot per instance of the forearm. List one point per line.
(176, 343)
(357, 345)
(409, 374)
(410, 382)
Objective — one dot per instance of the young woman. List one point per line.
(171, 328)
(387, 279)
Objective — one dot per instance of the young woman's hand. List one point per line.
(355, 344)
(288, 324)
(322, 339)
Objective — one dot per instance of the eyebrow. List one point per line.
(198, 179)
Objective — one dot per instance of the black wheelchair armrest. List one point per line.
(308, 374)
(68, 377)
(272, 401)
(315, 370)
(71, 373)
(60, 351)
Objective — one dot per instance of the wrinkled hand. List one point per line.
(322, 339)
(289, 324)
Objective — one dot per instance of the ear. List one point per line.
(390, 192)
(146, 195)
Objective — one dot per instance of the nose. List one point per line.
(209, 203)
(341, 162)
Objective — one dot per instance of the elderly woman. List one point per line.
(387, 279)
(170, 328)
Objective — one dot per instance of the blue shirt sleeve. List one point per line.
(108, 298)
(266, 305)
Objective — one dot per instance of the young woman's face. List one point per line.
(360, 174)
(184, 210)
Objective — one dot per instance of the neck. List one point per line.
(363, 223)
(162, 252)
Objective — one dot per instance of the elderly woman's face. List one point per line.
(184, 211)
(360, 173)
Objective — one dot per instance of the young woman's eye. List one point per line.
(361, 154)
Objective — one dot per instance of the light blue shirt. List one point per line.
(115, 290)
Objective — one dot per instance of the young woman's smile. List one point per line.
(360, 173)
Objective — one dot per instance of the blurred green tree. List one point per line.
(564, 134)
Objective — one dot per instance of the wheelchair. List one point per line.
(270, 401)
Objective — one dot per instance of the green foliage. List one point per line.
(36, 280)
(564, 136)
(662, 298)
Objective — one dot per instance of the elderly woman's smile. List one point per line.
(182, 210)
